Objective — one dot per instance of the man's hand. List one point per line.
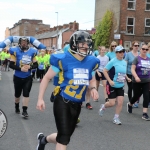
(24, 69)
(40, 105)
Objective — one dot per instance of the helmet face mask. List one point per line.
(23, 43)
(81, 43)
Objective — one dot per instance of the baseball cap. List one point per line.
(119, 48)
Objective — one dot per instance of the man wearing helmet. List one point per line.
(22, 61)
(76, 72)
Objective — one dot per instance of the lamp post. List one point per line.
(57, 31)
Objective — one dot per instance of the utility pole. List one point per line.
(57, 31)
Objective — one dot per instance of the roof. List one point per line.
(50, 34)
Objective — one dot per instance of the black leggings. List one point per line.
(130, 88)
(66, 115)
(139, 88)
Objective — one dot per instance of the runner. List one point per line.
(73, 85)
(111, 54)
(129, 58)
(117, 72)
(99, 72)
(22, 61)
(141, 77)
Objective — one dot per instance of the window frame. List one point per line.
(146, 26)
(134, 4)
(130, 25)
(146, 5)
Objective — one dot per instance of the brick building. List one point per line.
(131, 19)
(56, 37)
(27, 27)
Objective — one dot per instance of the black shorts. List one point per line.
(22, 84)
(66, 116)
(114, 92)
(100, 78)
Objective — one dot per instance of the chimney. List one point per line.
(70, 25)
(65, 26)
(60, 27)
(75, 26)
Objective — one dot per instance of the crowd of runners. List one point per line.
(77, 72)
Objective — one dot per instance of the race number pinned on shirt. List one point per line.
(145, 63)
(3, 123)
(121, 77)
(26, 59)
(81, 76)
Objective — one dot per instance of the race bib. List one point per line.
(145, 63)
(81, 76)
(41, 66)
(121, 77)
(26, 59)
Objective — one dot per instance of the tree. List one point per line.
(103, 30)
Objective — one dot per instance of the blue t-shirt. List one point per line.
(129, 58)
(95, 53)
(117, 71)
(111, 55)
(66, 47)
(148, 55)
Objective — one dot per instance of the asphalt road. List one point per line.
(92, 133)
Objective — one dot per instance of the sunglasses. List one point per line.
(136, 45)
(123, 51)
(145, 49)
(114, 46)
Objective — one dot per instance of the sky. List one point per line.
(81, 11)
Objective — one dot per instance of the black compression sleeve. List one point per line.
(34, 65)
(13, 66)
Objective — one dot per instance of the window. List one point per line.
(131, 4)
(147, 26)
(130, 25)
(148, 5)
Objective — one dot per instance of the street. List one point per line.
(92, 133)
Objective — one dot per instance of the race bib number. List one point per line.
(81, 76)
(41, 66)
(3, 123)
(26, 59)
(121, 77)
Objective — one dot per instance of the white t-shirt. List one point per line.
(103, 62)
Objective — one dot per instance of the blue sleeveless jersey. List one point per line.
(23, 58)
(74, 74)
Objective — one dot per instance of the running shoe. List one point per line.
(88, 106)
(17, 110)
(25, 114)
(40, 145)
(129, 108)
(145, 117)
(135, 105)
(117, 121)
(101, 110)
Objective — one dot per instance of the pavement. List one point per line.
(92, 133)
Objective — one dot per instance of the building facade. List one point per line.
(131, 19)
(27, 27)
(57, 36)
